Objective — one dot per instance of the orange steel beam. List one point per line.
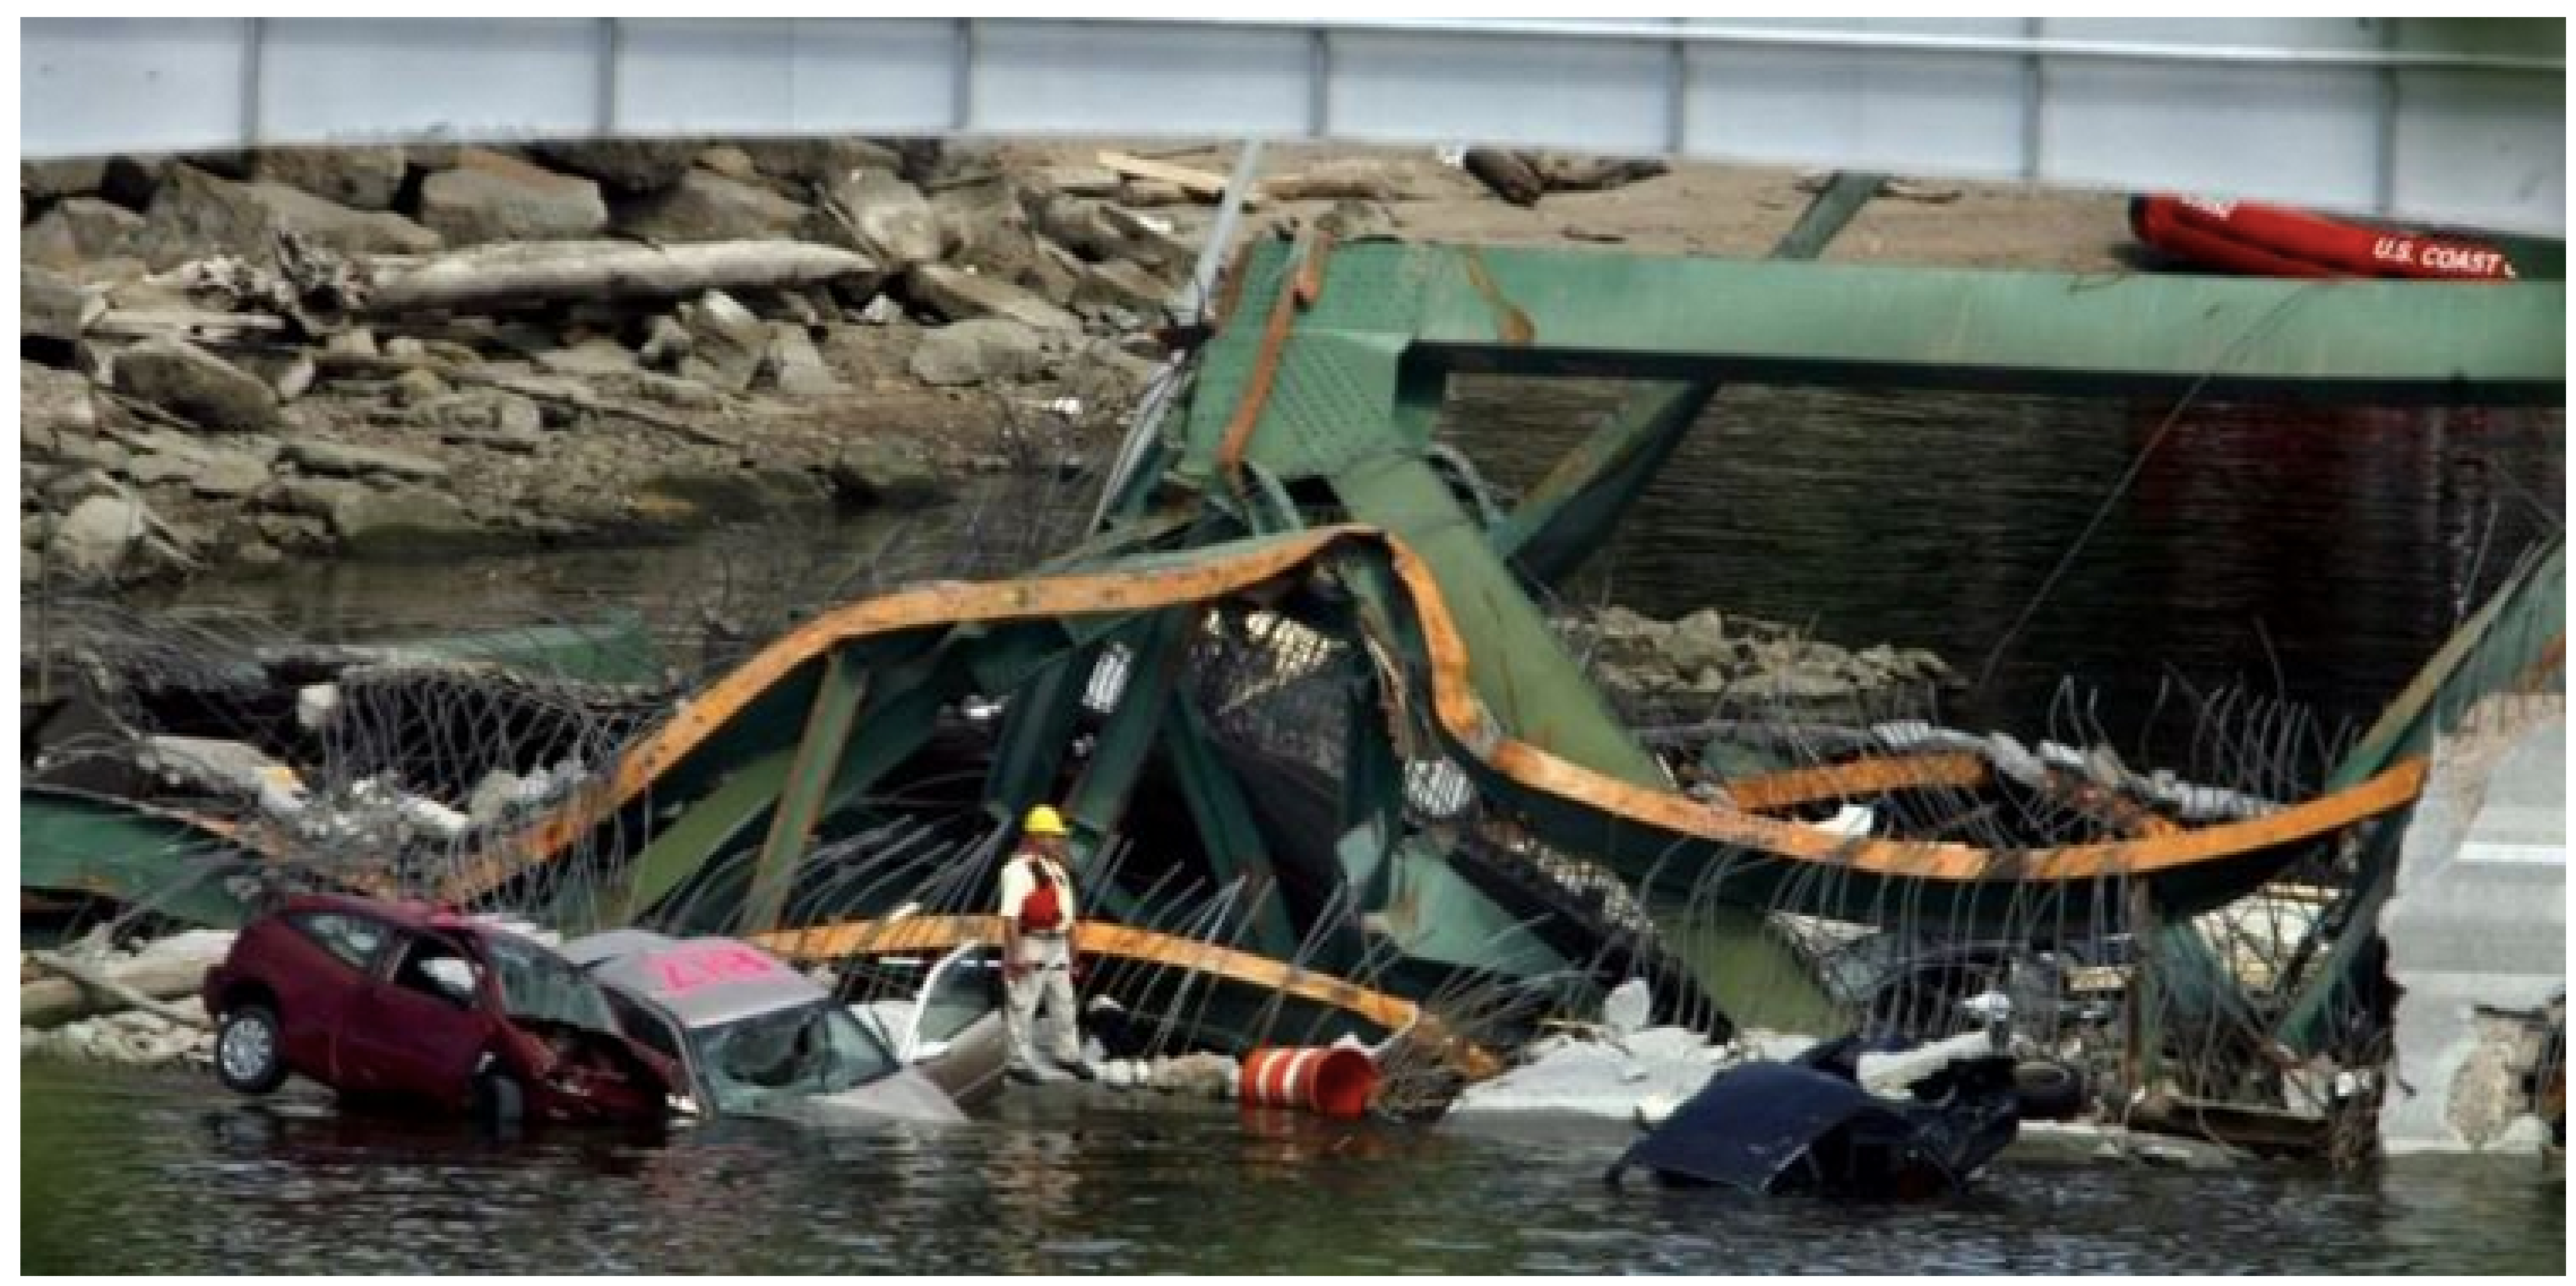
(1771, 792)
(934, 933)
(1460, 714)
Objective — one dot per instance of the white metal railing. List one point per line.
(2431, 120)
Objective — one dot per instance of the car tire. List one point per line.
(499, 1100)
(2048, 1090)
(250, 1051)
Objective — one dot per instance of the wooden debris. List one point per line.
(1198, 183)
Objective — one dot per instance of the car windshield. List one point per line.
(538, 985)
(787, 1054)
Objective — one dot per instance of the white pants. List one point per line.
(1047, 984)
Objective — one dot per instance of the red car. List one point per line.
(407, 1005)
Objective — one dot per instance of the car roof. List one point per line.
(702, 982)
(420, 916)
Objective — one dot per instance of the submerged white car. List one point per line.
(756, 1037)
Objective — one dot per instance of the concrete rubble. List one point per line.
(2476, 932)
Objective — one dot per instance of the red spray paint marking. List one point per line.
(690, 968)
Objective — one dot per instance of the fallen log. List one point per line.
(598, 270)
(80, 991)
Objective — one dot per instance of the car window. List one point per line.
(440, 969)
(644, 1025)
(355, 939)
(964, 990)
(537, 984)
(787, 1054)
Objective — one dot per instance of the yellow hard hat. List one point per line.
(1044, 820)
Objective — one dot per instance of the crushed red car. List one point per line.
(408, 1006)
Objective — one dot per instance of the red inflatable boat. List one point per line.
(2274, 241)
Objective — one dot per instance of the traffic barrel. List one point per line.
(1335, 1082)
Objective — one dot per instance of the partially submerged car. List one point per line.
(753, 1036)
(1806, 1127)
(408, 1005)
(942, 1014)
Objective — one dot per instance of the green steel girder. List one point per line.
(1227, 831)
(1391, 316)
(718, 823)
(73, 842)
(1524, 674)
(809, 778)
(1036, 729)
(1097, 804)
(1372, 813)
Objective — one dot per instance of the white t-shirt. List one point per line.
(1019, 879)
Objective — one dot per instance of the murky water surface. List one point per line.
(167, 1173)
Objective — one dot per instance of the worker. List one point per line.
(1038, 917)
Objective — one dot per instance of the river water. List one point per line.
(130, 1172)
(2319, 556)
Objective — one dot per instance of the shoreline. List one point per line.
(995, 313)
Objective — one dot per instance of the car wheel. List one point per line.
(499, 1099)
(250, 1055)
(2048, 1091)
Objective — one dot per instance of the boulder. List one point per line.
(883, 217)
(77, 232)
(228, 475)
(195, 214)
(794, 366)
(726, 342)
(363, 178)
(882, 473)
(409, 522)
(51, 307)
(54, 180)
(591, 358)
(1122, 282)
(97, 538)
(196, 385)
(1080, 180)
(819, 160)
(959, 295)
(347, 460)
(132, 181)
(973, 352)
(666, 341)
(629, 165)
(53, 404)
(491, 197)
(706, 206)
(688, 493)
(310, 497)
(729, 161)
(153, 470)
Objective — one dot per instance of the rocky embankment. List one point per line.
(237, 360)
(1712, 664)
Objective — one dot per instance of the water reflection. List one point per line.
(154, 1173)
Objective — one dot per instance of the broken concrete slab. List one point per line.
(2476, 928)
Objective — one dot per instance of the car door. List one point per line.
(957, 1036)
(423, 1023)
(324, 963)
